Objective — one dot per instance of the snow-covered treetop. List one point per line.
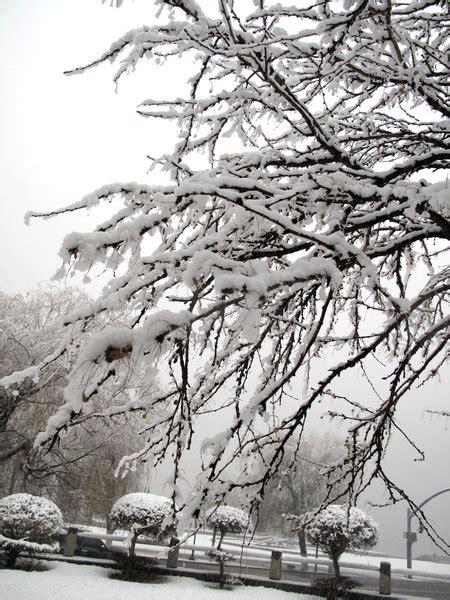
(340, 528)
(27, 517)
(299, 209)
(144, 512)
(228, 519)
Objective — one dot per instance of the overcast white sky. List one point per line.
(63, 136)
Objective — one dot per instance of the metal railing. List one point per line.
(273, 562)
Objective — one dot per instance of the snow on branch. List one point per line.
(307, 200)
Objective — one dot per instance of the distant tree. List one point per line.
(78, 471)
(337, 529)
(305, 481)
(144, 515)
(31, 329)
(27, 524)
(300, 218)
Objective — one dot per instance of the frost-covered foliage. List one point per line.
(297, 216)
(27, 517)
(219, 556)
(337, 529)
(26, 523)
(228, 519)
(144, 514)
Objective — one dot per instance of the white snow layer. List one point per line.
(76, 582)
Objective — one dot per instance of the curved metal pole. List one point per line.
(433, 496)
(411, 537)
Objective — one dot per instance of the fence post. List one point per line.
(385, 578)
(275, 565)
(71, 541)
(172, 556)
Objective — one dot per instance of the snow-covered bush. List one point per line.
(26, 523)
(337, 529)
(221, 558)
(144, 514)
(227, 519)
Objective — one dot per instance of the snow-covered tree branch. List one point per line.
(307, 202)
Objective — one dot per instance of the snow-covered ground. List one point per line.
(77, 582)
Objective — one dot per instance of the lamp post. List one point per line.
(411, 536)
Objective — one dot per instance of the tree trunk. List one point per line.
(317, 554)
(302, 546)
(302, 542)
(109, 525)
(133, 544)
(194, 540)
(214, 537)
(222, 535)
(12, 557)
(14, 474)
(221, 575)
(337, 572)
(332, 592)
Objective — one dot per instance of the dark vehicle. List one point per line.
(89, 547)
(93, 548)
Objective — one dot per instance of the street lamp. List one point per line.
(411, 536)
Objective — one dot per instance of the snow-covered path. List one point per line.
(77, 582)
